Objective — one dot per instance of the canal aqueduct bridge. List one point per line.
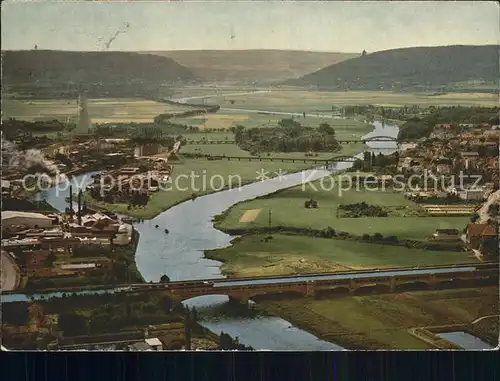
(385, 280)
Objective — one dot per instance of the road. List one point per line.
(8, 273)
(494, 198)
(484, 317)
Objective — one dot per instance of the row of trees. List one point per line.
(162, 118)
(12, 127)
(370, 160)
(114, 315)
(112, 196)
(226, 342)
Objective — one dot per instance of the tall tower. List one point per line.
(83, 126)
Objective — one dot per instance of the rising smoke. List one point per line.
(31, 160)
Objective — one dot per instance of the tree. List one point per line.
(166, 303)
(326, 129)
(51, 258)
(164, 278)
(187, 329)
(489, 247)
(194, 314)
(73, 324)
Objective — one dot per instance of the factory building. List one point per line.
(147, 149)
(29, 220)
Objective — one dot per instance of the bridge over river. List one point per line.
(383, 280)
(308, 285)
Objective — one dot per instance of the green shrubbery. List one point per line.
(362, 209)
(288, 136)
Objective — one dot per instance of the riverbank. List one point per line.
(384, 321)
(284, 254)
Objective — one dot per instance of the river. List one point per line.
(465, 340)
(191, 232)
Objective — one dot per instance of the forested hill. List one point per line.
(55, 67)
(411, 69)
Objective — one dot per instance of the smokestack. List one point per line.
(71, 200)
(80, 207)
(83, 126)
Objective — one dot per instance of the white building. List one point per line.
(152, 344)
(155, 344)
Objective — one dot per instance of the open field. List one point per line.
(383, 321)
(112, 110)
(218, 120)
(288, 210)
(284, 254)
(300, 100)
(200, 171)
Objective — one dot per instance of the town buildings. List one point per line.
(477, 233)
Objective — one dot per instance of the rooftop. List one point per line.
(154, 341)
(14, 213)
(141, 346)
(481, 230)
(78, 266)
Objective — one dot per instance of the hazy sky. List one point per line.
(315, 26)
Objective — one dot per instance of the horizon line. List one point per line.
(242, 49)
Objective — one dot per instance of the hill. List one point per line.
(247, 66)
(444, 67)
(122, 72)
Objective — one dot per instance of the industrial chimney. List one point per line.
(80, 207)
(71, 200)
(84, 124)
